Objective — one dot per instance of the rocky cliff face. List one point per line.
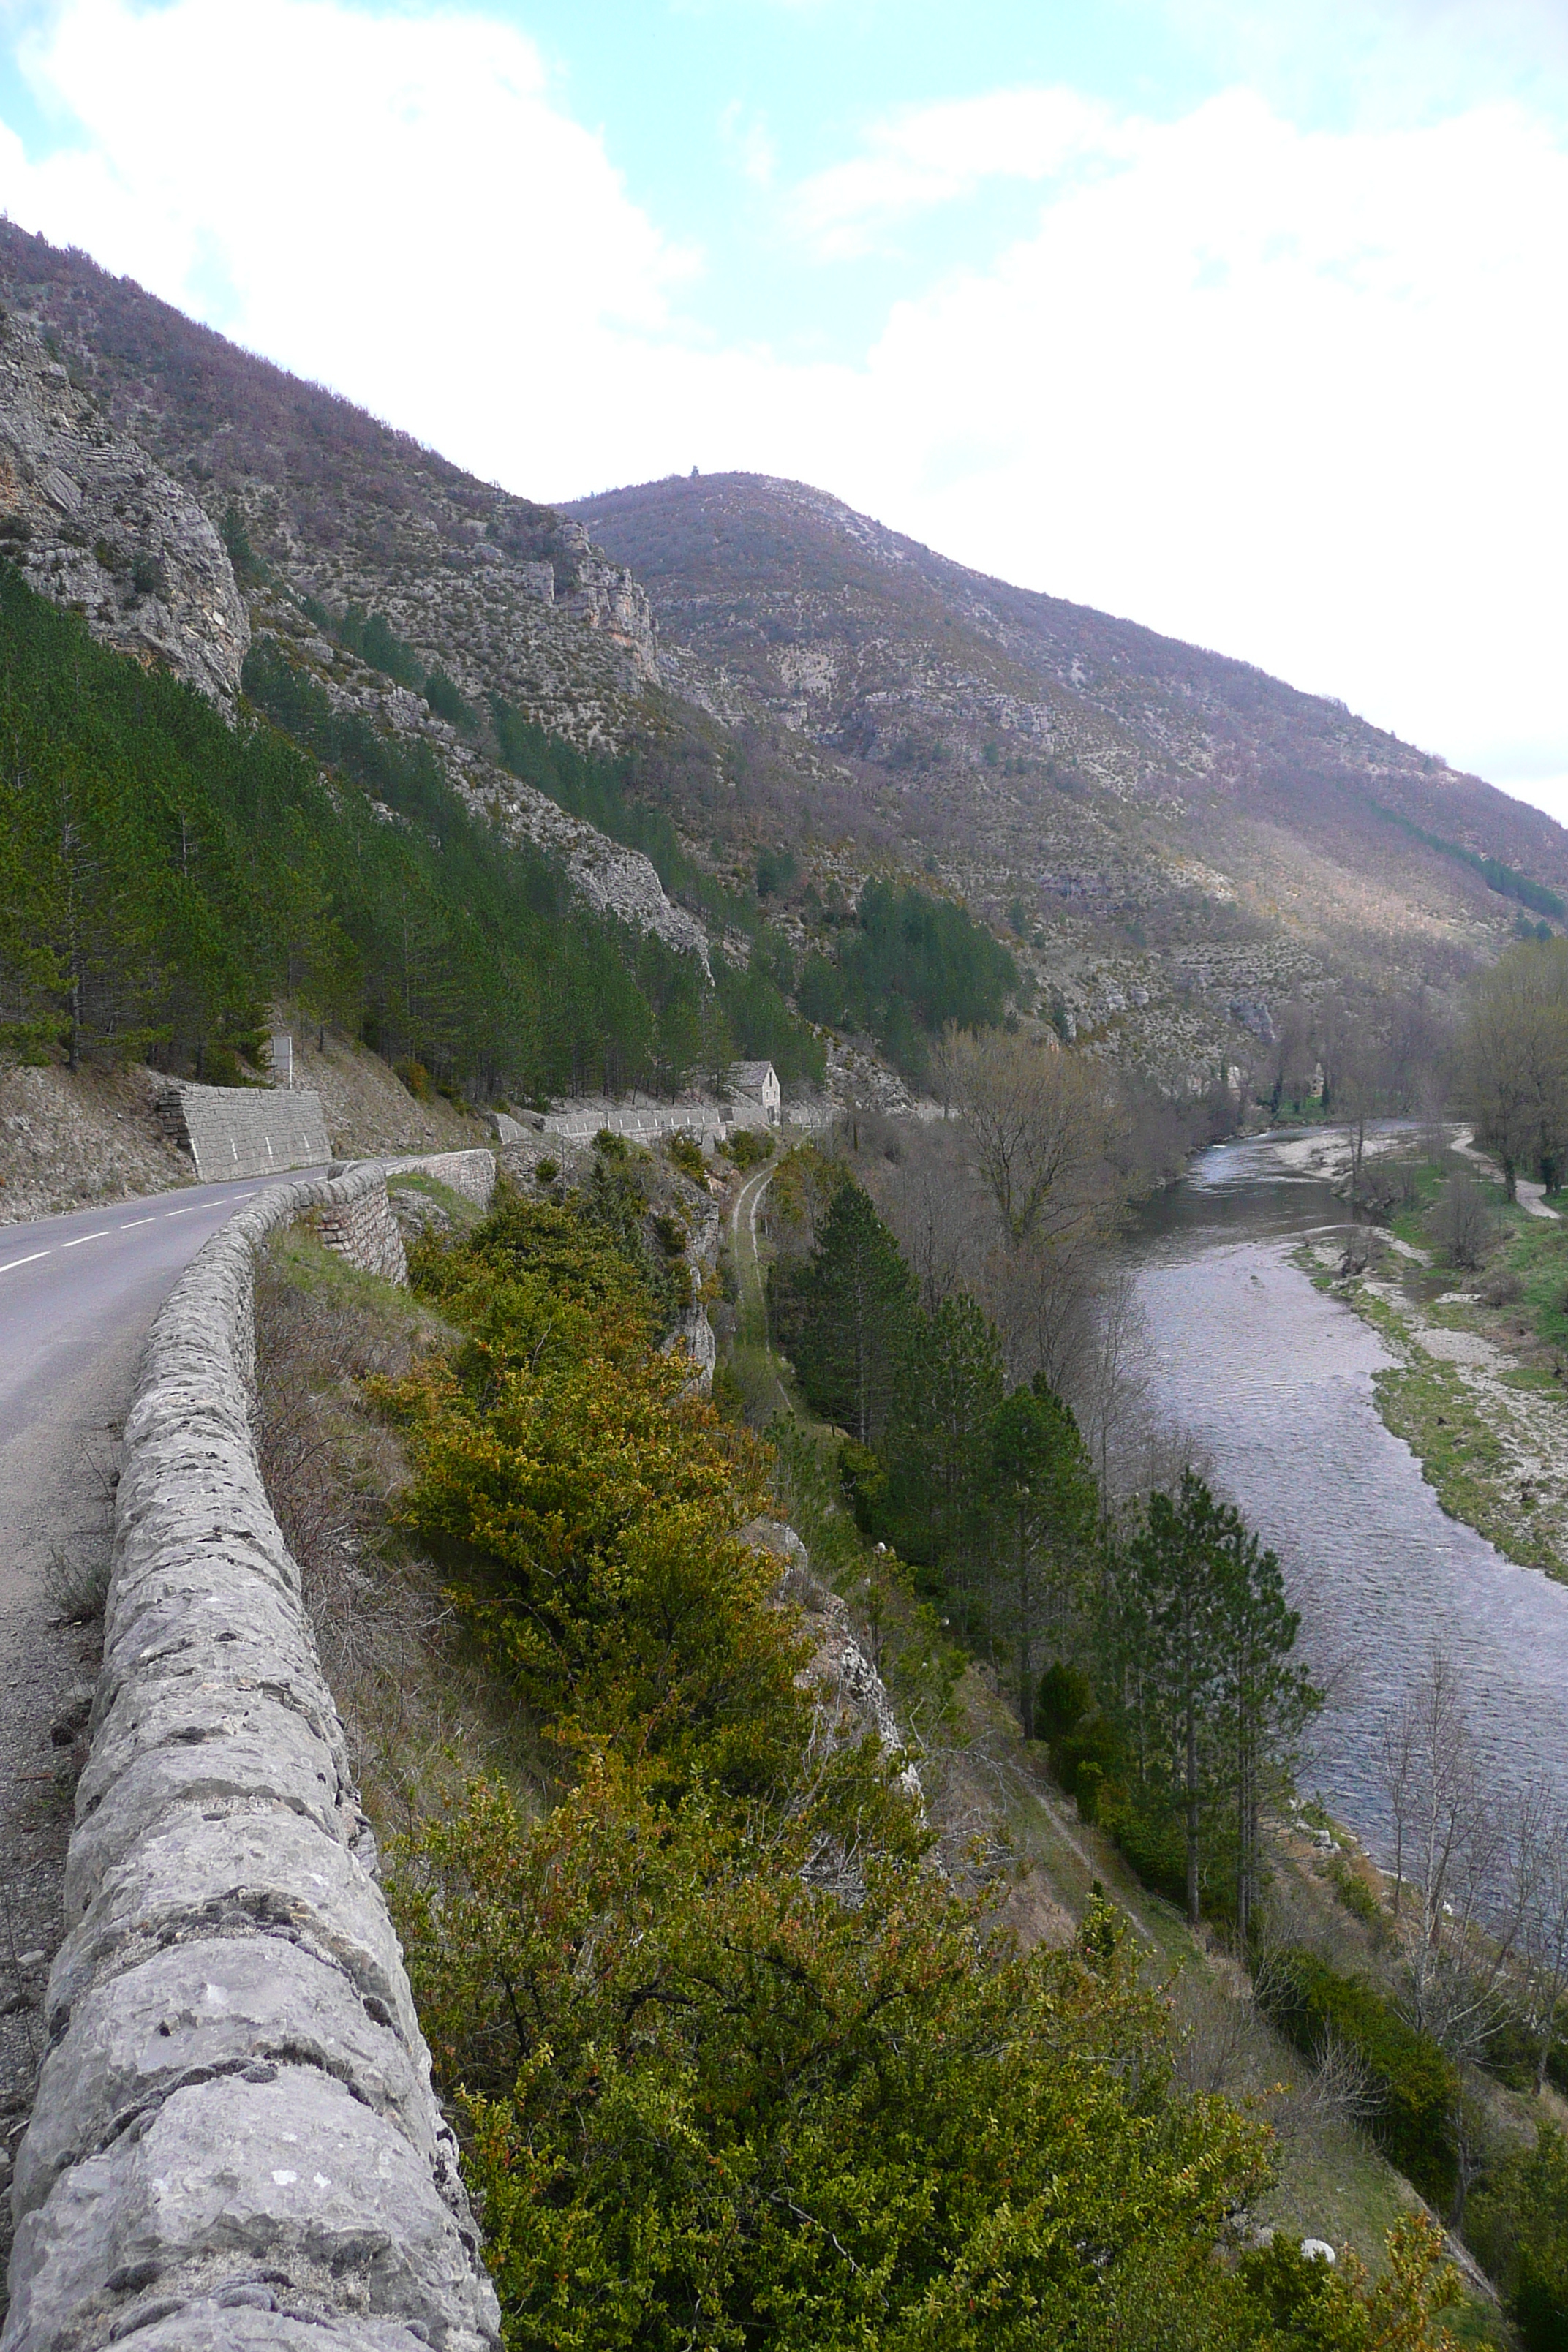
(502, 594)
(92, 523)
(502, 591)
(1173, 841)
(610, 878)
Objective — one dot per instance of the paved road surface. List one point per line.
(77, 1296)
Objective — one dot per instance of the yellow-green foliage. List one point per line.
(589, 1505)
(686, 1152)
(736, 2066)
(750, 2075)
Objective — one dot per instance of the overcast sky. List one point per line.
(1247, 323)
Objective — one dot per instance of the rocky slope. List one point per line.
(324, 504)
(1179, 840)
(1173, 843)
(90, 521)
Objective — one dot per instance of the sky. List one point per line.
(1245, 321)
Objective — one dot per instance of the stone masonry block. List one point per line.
(242, 1869)
(194, 2010)
(287, 2173)
(234, 2140)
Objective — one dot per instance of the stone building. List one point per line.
(757, 1100)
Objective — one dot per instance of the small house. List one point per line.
(757, 1098)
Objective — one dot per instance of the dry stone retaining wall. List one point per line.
(234, 2141)
(233, 1131)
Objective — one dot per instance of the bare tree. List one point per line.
(1397, 1746)
(931, 1201)
(1462, 1224)
(1040, 1124)
(1515, 1059)
(1107, 1384)
(1461, 1857)
(1544, 1953)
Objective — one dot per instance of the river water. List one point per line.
(1274, 1380)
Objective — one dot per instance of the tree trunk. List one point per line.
(1191, 1813)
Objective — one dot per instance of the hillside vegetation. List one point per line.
(1182, 858)
(734, 2062)
(164, 875)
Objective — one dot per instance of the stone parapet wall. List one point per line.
(471, 1173)
(641, 1125)
(361, 1228)
(234, 1131)
(234, 2141)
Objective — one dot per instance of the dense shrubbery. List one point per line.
(1518, 2223)
(734, 2065)
(1417, 2088)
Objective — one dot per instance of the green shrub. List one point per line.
(1517, 2224)
(748, 1147)
(1353, 1892)
(610, 1146)
(545, 1172)
(1065, 1696)
(685, 1153)
(1149, 1835)
(444, 698)
(1417, 2087)
(416, 1079)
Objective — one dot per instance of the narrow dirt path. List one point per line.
(745, 1249)
(1532, 1197)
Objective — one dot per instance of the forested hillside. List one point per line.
(164, 876)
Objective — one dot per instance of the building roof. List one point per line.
(751, 1076)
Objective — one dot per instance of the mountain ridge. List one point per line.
(1173, 843)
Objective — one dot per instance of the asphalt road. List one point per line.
(77, 1296)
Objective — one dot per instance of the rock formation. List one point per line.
(91, 522)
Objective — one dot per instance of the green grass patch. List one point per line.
(1428, 1404)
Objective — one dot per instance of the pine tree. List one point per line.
(1045, 1504)
(949, 1383)
(854, 1300)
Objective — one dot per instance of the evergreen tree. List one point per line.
(853, 1311)
(950, 1381)
(1198, 1650)
(1045, 1504)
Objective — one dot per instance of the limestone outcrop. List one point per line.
(91, 521)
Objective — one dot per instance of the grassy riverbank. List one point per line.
(1479, 1391)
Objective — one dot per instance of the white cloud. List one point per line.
(389, 205)
(748, 143)
(1296, 396)
(933, 155)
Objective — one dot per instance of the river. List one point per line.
(1274, 1378)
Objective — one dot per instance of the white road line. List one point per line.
(101, 1236)
(134, 1223)
(188, 1213)
(24, 1261)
